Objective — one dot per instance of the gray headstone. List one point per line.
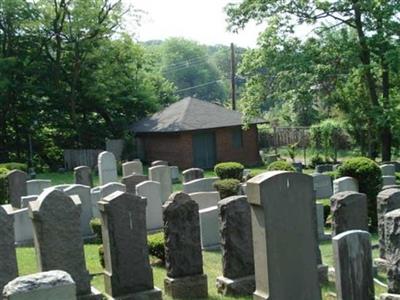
(206, 199)
(131, 181)
(175, 174)
(192, 174)
(388, 180)
(107, 168)
(37, 186)
(162, 174)
(200, 185)
(353, 265)
(345, 184)
(8, 259)
(131, 167)
(321, 222)
(387, 201)
(58, 237)
(349, 212)
(83, 176)
(127, 265)
(159, 163)
(392, 241)
(236, 245)
(209, 227)
(322, 185)
(47, 285)
(283, 221)
(83, 192)
(16, 187)
(388, 170)
(183, 255)
(151, 190)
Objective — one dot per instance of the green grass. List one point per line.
(211, 262)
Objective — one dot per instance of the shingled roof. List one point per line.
(191, 114)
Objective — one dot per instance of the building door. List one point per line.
(204, 150)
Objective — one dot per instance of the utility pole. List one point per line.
(233, 76)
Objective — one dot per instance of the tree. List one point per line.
(376, 26)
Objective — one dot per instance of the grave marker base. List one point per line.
(187, 287)
(154, 294)
(94, 295)
(389, 297)
(236, 287)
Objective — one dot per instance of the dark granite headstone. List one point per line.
(17, 187)
(83, 175)
(131, 181)
(192, 174)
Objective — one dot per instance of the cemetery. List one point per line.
(227, 149)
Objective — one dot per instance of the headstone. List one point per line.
(16, 187)
(200, 185)
(388, 170)
(175, 174)
(162, 174)
(83, 176)
(353, 265)
(349, 211)
(323, 168)
(205, 199)
(237, 247)
(395, 186)
(298, 166)
(8, 258)
(151, 190)
(387, 201)
(388, 180)
(37, 186)
(321, 222)
(392, 241)
(58, 238)
(322, 185)
(131, 181)
(83, 192)
(23, 228)
(47, 285)
(107, 168)
(279, 229)
(131, 167)
(128, 274)
(345, 184)
(159, 163)
(184, 260)
(99, 192)
(209, 227)
(192, 174)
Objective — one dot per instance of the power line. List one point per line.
(197, 86)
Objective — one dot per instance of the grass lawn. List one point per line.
(212, 267)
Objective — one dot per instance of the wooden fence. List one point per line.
(283, 136)
(80, 157)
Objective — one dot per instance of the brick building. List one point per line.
(196, 133)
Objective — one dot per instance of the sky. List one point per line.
(201, 20)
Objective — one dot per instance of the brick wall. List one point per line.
(176, 148)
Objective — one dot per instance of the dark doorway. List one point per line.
(204, 150)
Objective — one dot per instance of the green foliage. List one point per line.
(156, 245)
(95, 224)
(227, 170)
(333, 174)
(3, 185)
(227, 187)
(316, 160)
(369, 177)
(281, 165)
(14, 166)
(329, 135)
(101, 256)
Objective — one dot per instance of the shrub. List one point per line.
(316, 160)
(155, 242)
(369, 177)
(281, 165)
(96, 227)
(101, 256)
(3, 185)
(332, 174)
(14, 166)
(229, 170)
(227, 187)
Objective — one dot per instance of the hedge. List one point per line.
(15, 166)
(227, 187)
(156, 246)
(281, 165)
(229, 170)
(3, 185)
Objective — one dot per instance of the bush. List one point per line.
(229, 170)
(101, 256)
(316, 160)
(281, 165)
(369, 177)
(227, 187)
(156, 246)
(3, 185)
(332, 174)
(96, 227)
(14, 166)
